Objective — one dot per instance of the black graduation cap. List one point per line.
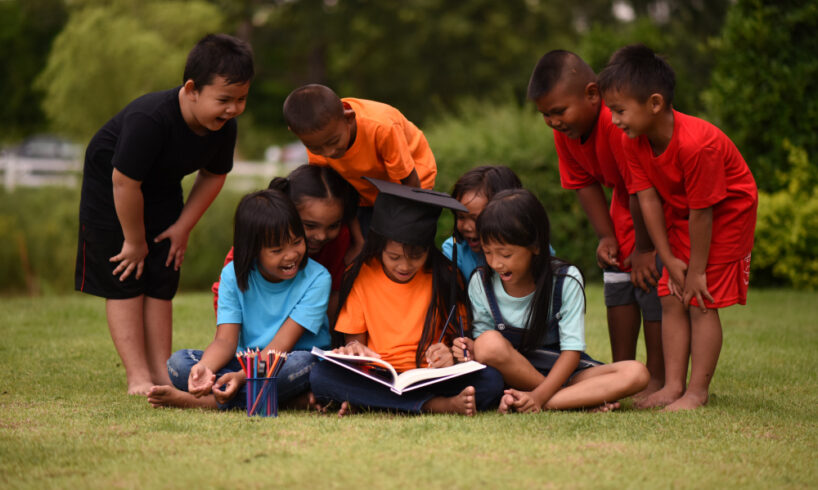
(409, 214)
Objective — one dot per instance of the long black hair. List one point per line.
(265, 218)
(516, 217)
(312, 181)
(443, 273)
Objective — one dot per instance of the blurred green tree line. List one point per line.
(457, 69)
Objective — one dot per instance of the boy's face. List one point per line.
(631, 116)
(211, 106)
(334, 139)
(570, 110)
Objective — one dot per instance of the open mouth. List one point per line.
(505, 276)
(289, 270)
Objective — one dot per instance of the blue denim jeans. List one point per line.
(330, 382)
(293, 379)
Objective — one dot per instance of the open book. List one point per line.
(383, 372)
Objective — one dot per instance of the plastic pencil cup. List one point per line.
(262, 397)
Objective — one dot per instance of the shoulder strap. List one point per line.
(552, 333)
(499, 323)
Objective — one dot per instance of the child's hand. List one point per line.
(696, 287)
(677, 270)
(643, 270)
(131, 258)
(461, 344)
(228, 385)
(438, 355)
(519, 401)
(200, 381)
(178, 236)
(356, 348)
(606, 252)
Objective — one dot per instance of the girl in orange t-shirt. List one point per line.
(394, 301)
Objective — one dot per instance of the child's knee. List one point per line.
(636, 374)
(492, 348)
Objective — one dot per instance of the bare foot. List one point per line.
(605, 407)
(169, 396)
(688, 401)
(462, 403)
(139, 388)
(346, 409)
(660, 398)
(506, 404)
(653, 386)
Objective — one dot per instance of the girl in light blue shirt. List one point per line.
(271, 297)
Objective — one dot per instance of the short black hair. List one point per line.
(265, 218)
(553, 67)
(219, 55)
(312, 181)
(639, 72)
(310, 108)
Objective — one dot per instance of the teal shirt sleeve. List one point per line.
(572, 322)
(482, 320)
(311, 310)
(229, 308)
(446, 248)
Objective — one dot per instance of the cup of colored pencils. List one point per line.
(262, 370)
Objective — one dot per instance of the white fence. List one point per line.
(39, 172)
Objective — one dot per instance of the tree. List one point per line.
(27, 28)
(764, 90)
(110, 53)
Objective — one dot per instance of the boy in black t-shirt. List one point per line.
(134, 223)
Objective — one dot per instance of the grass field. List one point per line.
(65, 421)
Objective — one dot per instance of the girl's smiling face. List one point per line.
(280, 263)
(475, 202)
(322, 221)
(513, 264)
(401, 262)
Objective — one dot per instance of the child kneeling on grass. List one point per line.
(539, 352)
(394, 304)
(272, 296)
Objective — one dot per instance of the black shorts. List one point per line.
(95, 273)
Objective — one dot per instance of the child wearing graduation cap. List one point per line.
(395, 300)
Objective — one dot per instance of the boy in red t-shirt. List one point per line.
(589, 147)
(360, 138)
(699, 201)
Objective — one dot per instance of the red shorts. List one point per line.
(727, 283)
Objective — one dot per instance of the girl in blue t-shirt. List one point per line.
(540, 355)
(474, 190)
(272, 296)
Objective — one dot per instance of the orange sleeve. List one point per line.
(351, 318)
(393, 148)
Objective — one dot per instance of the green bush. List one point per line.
(786, 239)
(507, 133)
(39, 246)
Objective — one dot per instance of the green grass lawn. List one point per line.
(66, 422)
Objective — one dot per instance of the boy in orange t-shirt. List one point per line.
(360, 138)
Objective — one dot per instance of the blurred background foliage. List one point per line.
(457, 69)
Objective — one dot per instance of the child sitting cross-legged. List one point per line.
(538, 351)
(394, 303)
(271, 296)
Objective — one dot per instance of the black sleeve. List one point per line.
(138, 145)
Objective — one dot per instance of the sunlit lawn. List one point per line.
(65, 421)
